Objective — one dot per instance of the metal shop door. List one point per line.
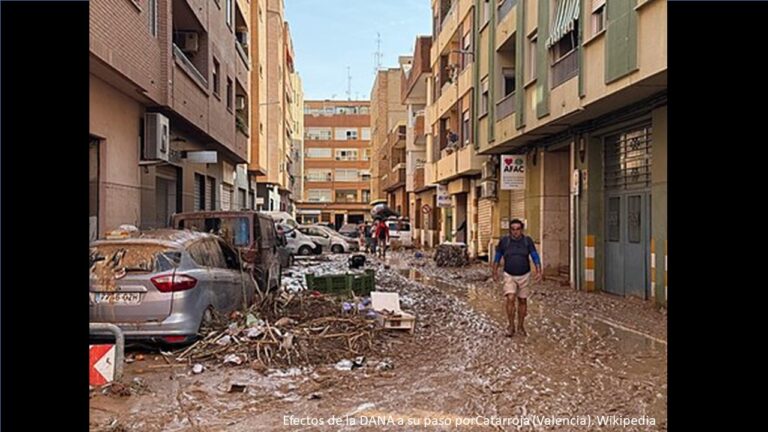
(628, 211)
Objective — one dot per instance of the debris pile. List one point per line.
(451, 255)
(309, 329)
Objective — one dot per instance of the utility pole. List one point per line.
(349, 84)
(377, 55)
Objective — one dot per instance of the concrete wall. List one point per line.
(115, 118)
(555, 234)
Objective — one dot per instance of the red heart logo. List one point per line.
(508, 161)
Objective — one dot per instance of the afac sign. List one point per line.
(513, 172)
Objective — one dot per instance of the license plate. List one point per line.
(118, 298)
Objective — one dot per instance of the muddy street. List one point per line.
(587, 357)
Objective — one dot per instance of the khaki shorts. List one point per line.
(517, 285)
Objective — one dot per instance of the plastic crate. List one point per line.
(343, 284)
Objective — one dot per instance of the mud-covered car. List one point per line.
(165, 285)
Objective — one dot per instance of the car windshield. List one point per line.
(234, 230)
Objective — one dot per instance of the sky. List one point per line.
(329, 35)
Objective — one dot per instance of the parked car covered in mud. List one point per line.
(250, 232)
(165, 285)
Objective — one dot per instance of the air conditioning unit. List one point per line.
(240, 102)
(488, 189)
(187, 41)
(156, 137)
(489, 169)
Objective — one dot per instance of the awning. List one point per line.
(565, 21)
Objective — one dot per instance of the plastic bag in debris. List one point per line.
(233, 359)
(250, 320)
(197, 368)
(385, 364)
(344, 365)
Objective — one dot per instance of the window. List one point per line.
(531, 52)
(229, 94)
(566, 45)
(509, 80)
(216, 77)
(346, 196)
(152, 5)
(486, 12)
(252, 200)
(347, 175)
(365, 133)
(210, 193)
(230, 12)
(343, 134)
(241, 196)
(366, 195)
(598, 16)
(346, 154)
(318, 133)
(226, 196)
(364, 110)
(319, 195)
(465, 124)
(319, 175)
(466, 45)
(199, 192)
(318, 153)
(484, 100)
(366, 154)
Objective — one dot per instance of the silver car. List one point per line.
(165, 285)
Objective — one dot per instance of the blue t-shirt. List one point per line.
(516, 254)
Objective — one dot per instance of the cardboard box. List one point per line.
(388, 312)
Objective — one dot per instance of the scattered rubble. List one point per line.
(451, 255)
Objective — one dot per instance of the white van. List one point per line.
(400, 233)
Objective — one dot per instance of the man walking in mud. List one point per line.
(515, 249)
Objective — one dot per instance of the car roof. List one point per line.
(172, 239)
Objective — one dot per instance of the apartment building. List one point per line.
(336, 162)
(455, 115)
(420, 195)
(170, 102)
(274, 188)
(576, 92)
(387, 111)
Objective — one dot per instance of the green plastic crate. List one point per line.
(343, 284)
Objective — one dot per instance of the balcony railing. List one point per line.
(243, 53)
(504, 8)
(395, 179)
(506, 106)
(189, 67)
(565, 68)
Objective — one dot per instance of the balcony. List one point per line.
(187, 66)
(565, 68)
(411, 84)
(505, 107)
(418, 180)
(459, 163)
(395, 179)
(504, 8)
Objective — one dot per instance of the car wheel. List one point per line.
(305, 250)
(337, 249)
